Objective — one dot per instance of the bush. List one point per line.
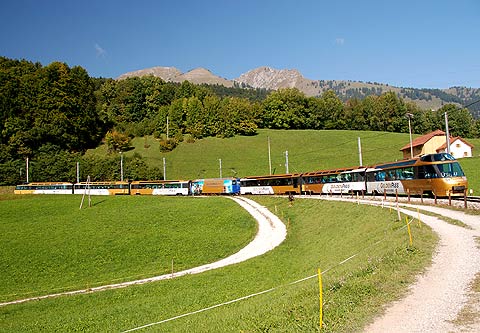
(167, 145)
(117, 141)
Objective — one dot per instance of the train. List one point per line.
(437, 175)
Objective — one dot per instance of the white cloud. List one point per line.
(339, 41)
(100, 51)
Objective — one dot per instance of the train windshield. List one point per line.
(437, 157)
(450, 170)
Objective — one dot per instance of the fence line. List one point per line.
(405, 211)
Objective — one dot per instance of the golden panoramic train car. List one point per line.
(159, 187)
(434, 174)
(274, 184)
(345, 180)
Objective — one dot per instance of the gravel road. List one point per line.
(439, 295)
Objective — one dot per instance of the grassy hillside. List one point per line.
(308, 150)
(49, 245)
(471, 167)
(354, 290)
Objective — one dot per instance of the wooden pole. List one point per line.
(320, 292)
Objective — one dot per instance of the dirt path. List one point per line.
(271, 233)
(438, 296)
(435, 301)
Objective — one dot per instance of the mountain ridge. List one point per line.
(266, 77)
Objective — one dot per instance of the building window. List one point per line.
(457, 145)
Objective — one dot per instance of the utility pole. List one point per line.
(447, 134)
(78, 172)
(27, 169)
(360, 151)
(409, 116)
(286, 161)
(121, 166)
(269, 157)
(164, 170)
(220, 161)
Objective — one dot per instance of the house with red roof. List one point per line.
(436, 142)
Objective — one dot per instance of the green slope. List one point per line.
(308, 150)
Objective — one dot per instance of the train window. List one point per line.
(437, 157)
(380, 176)
(427, 172)
(358, 177)
(450, 170)
(407, 173)
(370, 176)
(390, 175)
(313, 180)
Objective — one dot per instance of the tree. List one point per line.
(285, 108)
(356, 114)
(53, 104)
(116, 141)
(334, 110)
(194, 117)
(236, 117)
(460, 121)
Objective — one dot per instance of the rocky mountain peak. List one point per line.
(165, 73)
(270, 78)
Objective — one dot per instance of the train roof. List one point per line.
(286, 175)
(428, 158)
(103, 183)
(158, 181)
(44, 183)
(333, 171)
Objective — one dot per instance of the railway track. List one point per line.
(469, 199)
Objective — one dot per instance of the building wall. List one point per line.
(431, 146)
(417, 151)
(459, 149)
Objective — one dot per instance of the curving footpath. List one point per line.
(438, 296)
(271, 233)
(443, 290)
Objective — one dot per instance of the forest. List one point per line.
(52, 114)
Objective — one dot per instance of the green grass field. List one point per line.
(471, 167)
(241, 156)
(49, 245)
(308, 150)
(320, 235)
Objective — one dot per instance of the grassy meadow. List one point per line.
(471, 167)
(320, 235)
(49, 245)
(308, 150)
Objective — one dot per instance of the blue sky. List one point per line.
(408, 43)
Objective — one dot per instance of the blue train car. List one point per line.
(215, 186)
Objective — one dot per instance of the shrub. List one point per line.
(167, 145)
